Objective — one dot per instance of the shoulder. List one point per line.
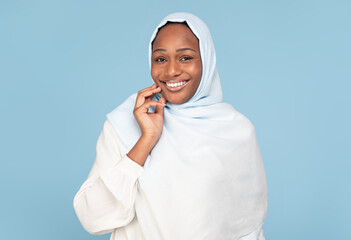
(127, 105)
(122, 122)
(238, 116)
(109, 138)
(241, 122)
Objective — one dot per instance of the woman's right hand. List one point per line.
(150, 124)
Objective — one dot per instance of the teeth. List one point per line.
(176, 84)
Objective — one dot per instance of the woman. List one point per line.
(173, 161)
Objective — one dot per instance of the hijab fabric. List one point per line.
(204, 178)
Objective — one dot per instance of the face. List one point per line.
(176, 63)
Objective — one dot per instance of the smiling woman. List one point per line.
(176, 62)
(174, 161)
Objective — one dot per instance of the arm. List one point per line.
(150, 124)
(141, 149)
(105, 201)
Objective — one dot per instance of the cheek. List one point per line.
(199, 71)
(155, 73)
(196, 72)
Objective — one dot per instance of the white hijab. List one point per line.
(204, 179)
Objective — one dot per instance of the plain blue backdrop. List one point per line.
(65, 64)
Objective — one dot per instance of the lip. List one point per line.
(175, 89)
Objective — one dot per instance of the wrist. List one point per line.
(149, 138)
(142, 148)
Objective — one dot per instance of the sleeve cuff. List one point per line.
(129, 166)
(124, 173)
(121, 179)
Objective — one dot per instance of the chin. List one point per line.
(175, 99)
(176, 102)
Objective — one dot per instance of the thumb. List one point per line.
(160, 107)
(162, 100)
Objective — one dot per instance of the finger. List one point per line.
(149, 98)
(145, 106)
(148, 88)
(141, 98)
(159, 107)
(162, 100)
(152, 95)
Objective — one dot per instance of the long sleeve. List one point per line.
(105, 201)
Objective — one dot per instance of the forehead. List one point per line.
(175, 35)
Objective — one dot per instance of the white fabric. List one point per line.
(105, 202)
(205, 174)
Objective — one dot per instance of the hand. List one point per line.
(150, 124)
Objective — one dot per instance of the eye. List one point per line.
(185, 58)
(160, 59)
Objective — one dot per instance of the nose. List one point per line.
(173, 69)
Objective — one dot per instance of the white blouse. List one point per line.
(105, 201)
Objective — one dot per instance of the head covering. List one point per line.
(205, 174)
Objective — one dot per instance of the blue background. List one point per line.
(65, 64)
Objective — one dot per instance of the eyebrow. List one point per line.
(178, 50)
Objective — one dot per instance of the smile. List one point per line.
(175, 86)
